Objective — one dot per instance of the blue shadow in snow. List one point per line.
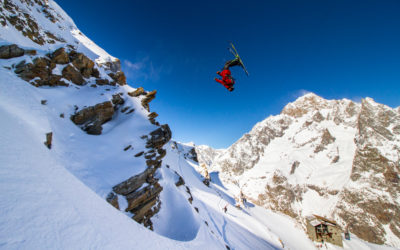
(216, 180)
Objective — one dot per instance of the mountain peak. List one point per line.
(304, 104)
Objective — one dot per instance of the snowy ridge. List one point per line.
(48, 28)
(59, 191)
(54, 191)
(317, 157)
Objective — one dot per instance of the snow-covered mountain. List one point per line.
(335, 158)
(84, 164)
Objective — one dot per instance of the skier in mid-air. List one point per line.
(227, 80)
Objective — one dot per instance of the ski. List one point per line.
(234, 52)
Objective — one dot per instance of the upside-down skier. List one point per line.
(227, 80)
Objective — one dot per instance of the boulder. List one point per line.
(60, 56)
(82, 63)
(90, 119)
(112, 198)
(148, 98)
(139, 91)
(11, 51)
(139, 154)
(143, 196)
(152, 115)
(49, 139)
(161, 153)
(102, 82)
(70, 73)
(118, 77)
(40, 70)
(159, 137)
(133, 183)
(113, 66)
(144, 210)
(117, 99)
(180, 182)
(30, 52)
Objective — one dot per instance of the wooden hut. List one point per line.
(321, 229)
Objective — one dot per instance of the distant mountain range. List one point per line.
(335, 158)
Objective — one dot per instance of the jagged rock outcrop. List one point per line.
(10, 51)
(138, 92)
(118, 77)
(118, 100)
(112, 198)
(66, 57)
(148, 98)
(192, 154)
(49, 140)
(40, 71)
(142, 191)
(113, 66)
(76, 67)
(83, 64)
(60, 56)
(91, 118)
(133, 183)
(73, 75)
(326, 139)
(159, 137)
(12, 14)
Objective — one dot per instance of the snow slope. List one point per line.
(56, 198)
(43, 205)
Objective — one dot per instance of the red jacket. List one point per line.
(227, 79)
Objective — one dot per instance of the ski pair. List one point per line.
(234, 52)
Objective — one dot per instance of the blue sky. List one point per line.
(336, 49)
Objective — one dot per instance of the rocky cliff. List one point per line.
(335, 158)
(42, 46)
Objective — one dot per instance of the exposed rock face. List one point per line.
(148, 98)
(112, 198)
(133, 183)
(40, 68)
(83, 64)
(337, 152)
(67, 64)
(117, 99)
(371, 162)
(139, 91)
(49, 139)
(90, 119)
(73, 75)
(118, 77)
(251, 146)
(326, 139)
(77, 69)
(10, 51)
(159, 137)
(180, 182)
(143, 196)
(142, 191)
(192, 155)
(152, 118)
(60, 56)
(294, 166)
(12, 15)
(113, 66)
